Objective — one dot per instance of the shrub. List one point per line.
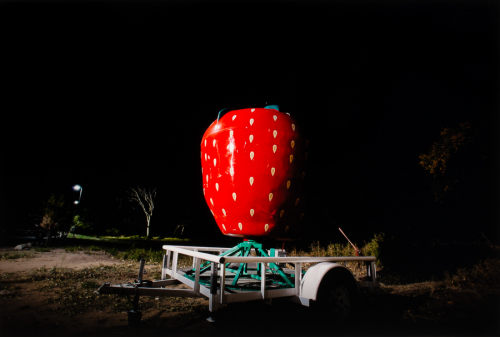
(372, 248)
(89, 285)
(113, 232)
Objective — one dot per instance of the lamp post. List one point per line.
(78, 188)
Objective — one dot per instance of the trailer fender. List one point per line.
(314, 275)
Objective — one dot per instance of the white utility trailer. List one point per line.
(234, 275)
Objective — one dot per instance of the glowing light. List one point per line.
(78, 188)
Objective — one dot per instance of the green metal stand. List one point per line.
(243, 249)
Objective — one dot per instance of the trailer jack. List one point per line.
(134, 315)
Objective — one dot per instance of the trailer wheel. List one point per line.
(338, 303)
(336, 296)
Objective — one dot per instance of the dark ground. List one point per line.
(466, 303)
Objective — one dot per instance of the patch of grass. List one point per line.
(144, 238)
(8, 291)
(73, 299)
(81, 236)
(150, 256)
(484, 274)
(89, 285)
(73, 291)
(134, 254)
(16, 255)
(89, 249)
(71, 249)
(42, 249)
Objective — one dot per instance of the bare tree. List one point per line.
(145, 200)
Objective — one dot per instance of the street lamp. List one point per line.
(78, 188)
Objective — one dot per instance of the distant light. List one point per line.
(77, 187)
(76, 202)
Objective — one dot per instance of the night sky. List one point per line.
(117, 94)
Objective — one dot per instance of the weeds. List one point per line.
(150, 256)
(16, 255)
(41, 249)
(89, 285)
(339, 250)
(73, 292)
(131, 238)
(484, 274)
(134, 254)
(71, 249)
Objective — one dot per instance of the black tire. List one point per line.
(337, 297)
(338, 303)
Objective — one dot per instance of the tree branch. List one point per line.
(142, 197)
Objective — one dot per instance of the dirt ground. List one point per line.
(53, 293)
(56, 257)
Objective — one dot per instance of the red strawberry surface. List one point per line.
(252, 162)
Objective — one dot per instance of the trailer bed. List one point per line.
(262, 279)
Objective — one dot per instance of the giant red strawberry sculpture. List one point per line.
(252, 166)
